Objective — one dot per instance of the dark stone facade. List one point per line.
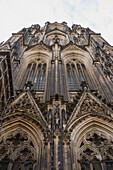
(56, 99)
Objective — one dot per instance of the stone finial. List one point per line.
(28, 85)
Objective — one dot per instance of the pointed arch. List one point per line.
(77, 74)
(89, 142)
(35, 73)
(22, 141)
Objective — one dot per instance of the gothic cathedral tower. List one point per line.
(56, 99)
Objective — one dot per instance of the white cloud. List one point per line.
(96, 14)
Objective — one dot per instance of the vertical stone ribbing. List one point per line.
(45, 120)
(110, 91)
(57, 82)
(56, 76)
(48, 88)
(101, 85)
(64, 83)
(60, 152)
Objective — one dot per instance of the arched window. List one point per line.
(108, 157)
(17, 151)
(77, 74)
(96, 151)
(71, 77)
(36, 75)
(40, 78)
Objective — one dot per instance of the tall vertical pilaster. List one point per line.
(57, 82)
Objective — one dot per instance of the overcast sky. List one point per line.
(95, 14)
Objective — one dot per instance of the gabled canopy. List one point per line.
(89, 105)
(25, 104)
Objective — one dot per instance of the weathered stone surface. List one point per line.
(56, 99)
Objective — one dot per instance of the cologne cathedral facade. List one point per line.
(56, 99)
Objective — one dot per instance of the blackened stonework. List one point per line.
(56, 99)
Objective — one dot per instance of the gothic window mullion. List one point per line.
(43, 80)
(69, 79)
(29, 73)
(84, 76)
(76, 77)
(77, 74)
(32, 73)
(81, 73)
(75, 80)
(40, 78)
(37, 80)
(35, 75)
(72, 78)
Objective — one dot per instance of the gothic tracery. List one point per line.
(56, 99)
(17, 151)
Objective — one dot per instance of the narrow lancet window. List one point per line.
(71, 77)
(36, 75)
(76, 73)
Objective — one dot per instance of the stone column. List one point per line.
(47, 155)
(52, 160)
(60, 152)
(67, 155)
(10, 165)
